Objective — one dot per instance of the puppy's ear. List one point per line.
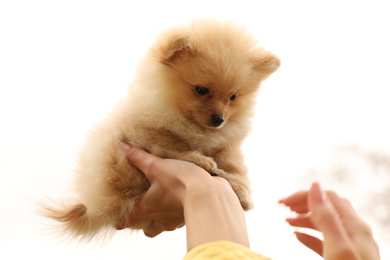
(177, 50)
(264, 63)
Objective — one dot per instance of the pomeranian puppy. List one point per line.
(192, 99)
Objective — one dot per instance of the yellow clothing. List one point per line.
(222, 250)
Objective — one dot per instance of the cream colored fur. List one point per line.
(164, 115)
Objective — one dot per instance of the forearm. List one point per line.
(214, 214)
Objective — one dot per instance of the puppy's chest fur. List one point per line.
(168, 129)
(179, 140)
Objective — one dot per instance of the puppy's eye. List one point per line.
(201, 90)
(232, 98)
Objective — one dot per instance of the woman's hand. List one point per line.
(346, 235)
(162, 205)
(182, 192)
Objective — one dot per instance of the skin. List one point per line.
(182, 192)
(347, 236)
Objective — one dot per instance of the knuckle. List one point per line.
(152, 166)
(365, 229)
(133, 153)
(346, 252)
(331, 194)
(222, 180)
(169, 228)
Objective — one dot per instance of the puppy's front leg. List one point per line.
(207, 163)
(234, 170)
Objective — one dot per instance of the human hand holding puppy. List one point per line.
(183, 191)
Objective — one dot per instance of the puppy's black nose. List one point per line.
(217, 120)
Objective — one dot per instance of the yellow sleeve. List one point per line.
(222, 250)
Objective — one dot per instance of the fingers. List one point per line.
(344, 231)
(297, 202)
(311, 242)
(301, 221)
(323, 215)
(157, 227)
(352, 222)
(343, 206)
(346, 235)
(153, 230)
(358, 231)
(328, 220)
(298, 197)
(318, 213)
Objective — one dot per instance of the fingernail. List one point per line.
(319, 194)
(125, 146)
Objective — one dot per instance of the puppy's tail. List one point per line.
(75, 222)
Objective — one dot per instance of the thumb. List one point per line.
(140, 159)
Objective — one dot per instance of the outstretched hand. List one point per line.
(346, 235)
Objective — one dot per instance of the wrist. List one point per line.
(212, 212)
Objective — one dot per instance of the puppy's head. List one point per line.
(212, 71)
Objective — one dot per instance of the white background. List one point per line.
(64, 64)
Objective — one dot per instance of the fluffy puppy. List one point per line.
(192, 100)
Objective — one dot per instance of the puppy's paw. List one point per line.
(246, 202)
(241, 188)
(207, 163)
(218, 172)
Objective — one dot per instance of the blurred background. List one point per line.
(323, 116)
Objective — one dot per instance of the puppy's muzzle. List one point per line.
(217, 120)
